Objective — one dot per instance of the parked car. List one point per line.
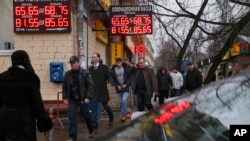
(203, 115)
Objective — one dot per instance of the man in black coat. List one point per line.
(102, 79)
(193, 78)
(21, 105)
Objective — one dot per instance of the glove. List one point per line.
(45, 125)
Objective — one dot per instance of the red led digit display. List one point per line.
(41, 16)
(127, 20)
(171, 110)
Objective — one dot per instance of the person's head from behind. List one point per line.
(95, 57)
(20, 58)
(118, 62)
(141, 62)
(74, 62)
(162, 70)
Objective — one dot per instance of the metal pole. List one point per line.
(80, 42)
(87, 50)
(51, 132)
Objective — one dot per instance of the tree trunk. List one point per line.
(228, 44)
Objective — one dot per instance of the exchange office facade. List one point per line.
(47, 30)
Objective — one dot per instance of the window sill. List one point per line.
(6, 52)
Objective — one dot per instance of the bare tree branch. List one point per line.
(237, 28)
(191, 31)
(241, 3)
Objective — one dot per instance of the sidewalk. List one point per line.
(62, 134)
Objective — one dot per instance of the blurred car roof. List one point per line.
(205, 114)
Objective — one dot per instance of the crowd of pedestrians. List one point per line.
(141, 78)
(83, 90)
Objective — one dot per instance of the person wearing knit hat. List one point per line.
(21, 105)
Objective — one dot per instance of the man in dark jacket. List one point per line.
(144, 85)
(77, 89)
(102, 79)
(193, 78)
(122, 80)
(21, 105)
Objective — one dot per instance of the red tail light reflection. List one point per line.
(171, 110)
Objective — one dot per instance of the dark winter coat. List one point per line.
(101, 77)
(150, 80)
(21, 105)
(127, 78)
(164, 81)
(193, 79)
(86, 84)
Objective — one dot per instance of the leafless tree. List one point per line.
(194, 24)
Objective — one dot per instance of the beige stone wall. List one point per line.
(52, 47)
(57, 47)
(5, 63)
(46, 48)
(43, 49)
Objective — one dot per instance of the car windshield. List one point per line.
(204, 115)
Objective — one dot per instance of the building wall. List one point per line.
(6, 21)
(53, 47)
(43, 49)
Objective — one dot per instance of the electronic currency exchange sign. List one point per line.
(129, 20)
(41, 16)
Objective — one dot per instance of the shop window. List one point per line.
(6, 28)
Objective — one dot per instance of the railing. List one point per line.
(58, 119)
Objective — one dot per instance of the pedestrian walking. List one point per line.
(21, 105)
(77, 89)
(177, 82)
(144, 85)
(183, 73)
(102, 79)
(122, 80)
(164, 84)
(193, 78)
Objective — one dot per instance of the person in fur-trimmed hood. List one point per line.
(21, 105)
(122, 80)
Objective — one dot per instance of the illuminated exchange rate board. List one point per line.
(130, 20)
(41, 16)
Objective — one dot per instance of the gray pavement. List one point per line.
(62, 134)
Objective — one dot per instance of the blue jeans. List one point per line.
(143, 98)
(97, 110)
(95, 113)
(72, 114)
(176, 92)
(122, 96)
